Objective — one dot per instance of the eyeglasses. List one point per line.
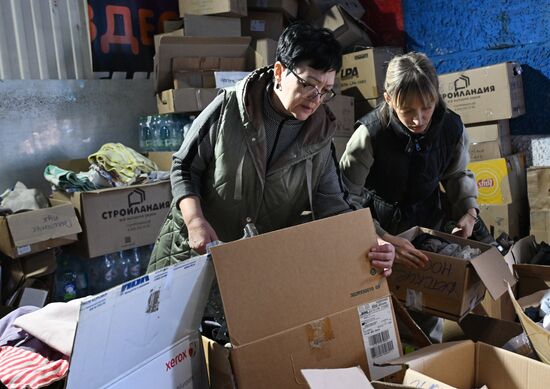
(310, 91)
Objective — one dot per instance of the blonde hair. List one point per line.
(410, 76)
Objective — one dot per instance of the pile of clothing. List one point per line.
(20, 199)
(435, 244)
(36, 344)
(113, 165)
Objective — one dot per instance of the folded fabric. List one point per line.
(68, 180)
(25, 369)
(54, 324)
(21, 198)
(124, 163)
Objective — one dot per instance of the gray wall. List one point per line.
(51, 120)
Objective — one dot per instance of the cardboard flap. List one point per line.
(428, 353)
(43, 224)
(171, 47)
(493, 272)
(289, 277)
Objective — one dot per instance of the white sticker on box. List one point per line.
(414, 300)
(257, 25)
(24, 249)
(379, 336)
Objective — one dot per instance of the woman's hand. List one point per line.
(200, 234)
(405, 253)
(465, 225)
(382, 256)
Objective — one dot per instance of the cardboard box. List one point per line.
(263, 53)
(38, 230)
(350, 32)
(538, 187)
(465, 364)
(343, 108)
(291, 305)
(500, 181)
(531, 278)
(540, 224)
(508, 218)
(210, 26)
(363, 72)
(213, 7)
(185, 99)
(450, 287)
(218, 365)
(194, 79)
(289, 7)
(163, 159)
(121, 218)
(143, 333)
(179, 32)
(489, 140)
(262, 25)
(485, 94)
(171, 47)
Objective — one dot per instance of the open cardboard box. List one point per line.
(38, 230)
(450, 287)
(305, 297)
(143, 333)
(468, 365)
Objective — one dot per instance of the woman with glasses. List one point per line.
(261, 152)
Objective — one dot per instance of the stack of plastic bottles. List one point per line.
(163, 132)
(78, 277)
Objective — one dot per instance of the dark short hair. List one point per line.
(316, 47)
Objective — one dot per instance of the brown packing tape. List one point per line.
(539, 337)
(318, 332)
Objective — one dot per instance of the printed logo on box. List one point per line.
(136, 206)
(182, 356)
(349, 73)
(461, 88)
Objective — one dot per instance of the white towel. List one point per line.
(55, 324)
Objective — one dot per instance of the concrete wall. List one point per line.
(459, 35)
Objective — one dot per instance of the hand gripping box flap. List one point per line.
(283, 279)
(171, 47)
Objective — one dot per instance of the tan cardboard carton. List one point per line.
(538, 187)
(305, 297)
(465, 364)
(450, 287)
(343, 108)
(289, 7)
(262, 53)
(540, 224)
(38, 230)
(171, 47)
(489, 140)
(178, 32)
(485, 94)
(185, 99)
(363, 72)
(260, 25)
(213, 7)
(531, 278)
(505, 218)
(209, 26)
(350, 32)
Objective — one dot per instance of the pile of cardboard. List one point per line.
(538, 193)
(486, 98)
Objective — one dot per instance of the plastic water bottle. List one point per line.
(177, 132)
(65, 280)
(109, 274)
(123, 265)
(134, 263)
(166, 124)
(156, 131)
(145, 134)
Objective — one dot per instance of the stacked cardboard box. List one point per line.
(538, 193)
(486, 98)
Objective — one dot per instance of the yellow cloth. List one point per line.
(124, 162)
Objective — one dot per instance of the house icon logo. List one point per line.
(136, 197)
(462, 82)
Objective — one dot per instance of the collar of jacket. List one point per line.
(426, 139)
